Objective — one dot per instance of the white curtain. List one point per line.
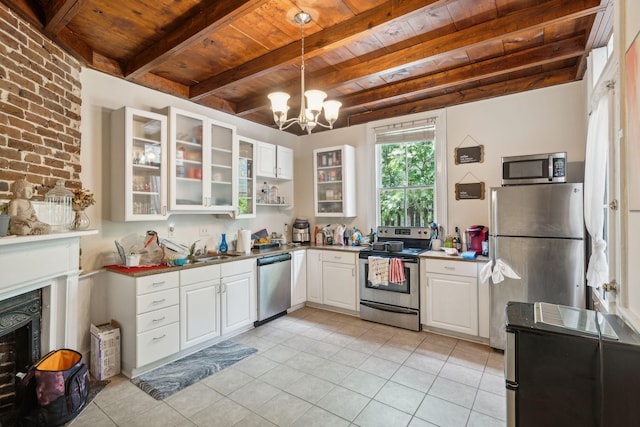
(595, 181)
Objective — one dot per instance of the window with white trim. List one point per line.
(410, 172)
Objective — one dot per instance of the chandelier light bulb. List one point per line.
(315, 99)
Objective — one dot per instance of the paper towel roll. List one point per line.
(244, 241)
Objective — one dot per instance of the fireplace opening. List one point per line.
(19, 345)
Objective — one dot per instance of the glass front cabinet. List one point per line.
(202, 155)
(334, 181)
(246, 177)
(138, 165)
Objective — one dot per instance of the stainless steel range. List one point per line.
(390, 277)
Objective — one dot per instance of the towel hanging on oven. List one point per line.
(378, 271)
(396, 271)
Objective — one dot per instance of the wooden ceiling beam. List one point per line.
(537, 56)
(30, 11)
(425, 48)
(315, 44)
(191, 31)
(537, 81)
(59, 13)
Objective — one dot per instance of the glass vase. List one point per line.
(80, 220)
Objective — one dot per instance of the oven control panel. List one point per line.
(404, 232)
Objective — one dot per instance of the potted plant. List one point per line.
(4, 219)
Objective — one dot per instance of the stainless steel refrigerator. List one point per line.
(538, 231)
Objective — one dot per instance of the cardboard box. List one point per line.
(105, 350)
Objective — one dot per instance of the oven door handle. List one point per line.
(407, 260)
(387, 308)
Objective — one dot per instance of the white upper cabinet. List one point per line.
(274, 161)
(334, 178)
(203, 158)
(138, 165)
(246, 177)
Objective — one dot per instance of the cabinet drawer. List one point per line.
(157, 300)
(158, 318)
(158, 343)
(237, 267)
(341, 257)
(156, 282)
(200, 274)
(458, 268)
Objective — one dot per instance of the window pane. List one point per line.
(393, 165)
(420, 208)
(392, 208)
(421, 164)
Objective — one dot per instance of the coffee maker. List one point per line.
(300, 232)
(476, 235)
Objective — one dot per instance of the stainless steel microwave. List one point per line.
(534, 169)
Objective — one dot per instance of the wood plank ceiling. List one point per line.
(380, 58)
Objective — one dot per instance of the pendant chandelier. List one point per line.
(310, 110)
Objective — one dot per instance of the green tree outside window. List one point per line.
(407, 175)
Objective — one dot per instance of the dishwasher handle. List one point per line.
(274, 259)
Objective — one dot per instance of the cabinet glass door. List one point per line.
(221, 173)
(329, 181)
(147, 186)
(246, 180)
(188, 161)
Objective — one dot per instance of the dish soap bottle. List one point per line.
(223, 248)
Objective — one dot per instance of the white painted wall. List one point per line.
(539, 121)
(102, 94)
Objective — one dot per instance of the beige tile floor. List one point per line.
(318, 368)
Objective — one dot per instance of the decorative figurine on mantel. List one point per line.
(24, 221)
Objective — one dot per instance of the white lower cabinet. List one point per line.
(147, 309)
(199, 305)
(162, 314)
(314, 276)
(339, 279)
(298, 278)
(216, 300)
(238, 295)
(450, 296)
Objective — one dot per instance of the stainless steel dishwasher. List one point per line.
(274, 287)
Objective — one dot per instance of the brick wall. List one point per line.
(39, 108)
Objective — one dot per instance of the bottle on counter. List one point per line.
(457, 243)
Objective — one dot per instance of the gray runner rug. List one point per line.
(166, 380)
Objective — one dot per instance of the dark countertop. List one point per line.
(442, 255)
(230, 257)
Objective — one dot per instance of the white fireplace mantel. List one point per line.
(49, 262)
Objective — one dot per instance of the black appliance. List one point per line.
(395, 304)
(567, 366)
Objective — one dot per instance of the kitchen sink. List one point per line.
(207, 258)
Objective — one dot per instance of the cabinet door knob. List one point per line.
(159, 320)
(159, 283)
(160, 301)
(160, 337)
